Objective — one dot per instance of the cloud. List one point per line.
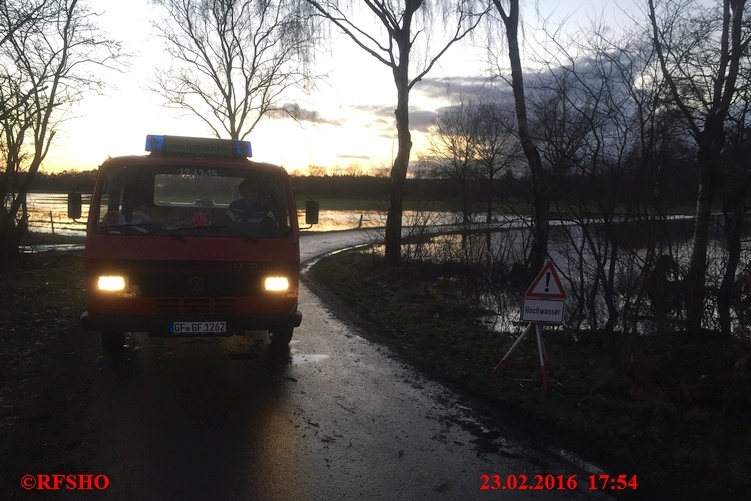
(421, 120)
(383, 118)
(385, 112)
(354, 157)
(454, 88)
(451, 87)
(294, 111)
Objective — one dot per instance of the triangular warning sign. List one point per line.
(546, 284)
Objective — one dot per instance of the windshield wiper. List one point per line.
(148, 226)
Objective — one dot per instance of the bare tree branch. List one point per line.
(402, 24)
(44, 61)
(234, 60)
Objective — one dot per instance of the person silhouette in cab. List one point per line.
(253, 209)
(144, 208)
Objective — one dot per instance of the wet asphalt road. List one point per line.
(336, 417)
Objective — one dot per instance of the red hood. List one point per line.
(191, 248)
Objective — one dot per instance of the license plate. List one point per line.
(198, 327)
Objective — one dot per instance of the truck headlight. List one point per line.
(276, 284)
(111, 283)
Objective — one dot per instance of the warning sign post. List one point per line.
(543, 304)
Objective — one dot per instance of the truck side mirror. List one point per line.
(311, 212)
(74, 205)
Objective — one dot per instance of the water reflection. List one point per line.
(50, 210)
(605, 271)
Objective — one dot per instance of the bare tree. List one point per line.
(354, 170)
(317, 170)
(540, 185)
(46, 58)
(497, 151)
(735, 187)
(471, 144)
(598, 113)
(699, 55)
(574, 114)
(401, 25)
(234, 60)
(451, 151)
(15, 17)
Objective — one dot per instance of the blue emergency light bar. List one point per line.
(197, 146)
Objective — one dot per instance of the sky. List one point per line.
(354, 102)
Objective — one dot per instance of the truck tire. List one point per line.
(281, 337)
(112, 342)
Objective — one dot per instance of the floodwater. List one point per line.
(575, 261)
(583, 259)
(48, 214)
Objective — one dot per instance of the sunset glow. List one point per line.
(352, 121)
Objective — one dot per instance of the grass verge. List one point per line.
(672, 409)
(40, 238)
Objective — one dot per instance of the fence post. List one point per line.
(52, 223)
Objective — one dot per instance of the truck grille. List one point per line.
(195, 306)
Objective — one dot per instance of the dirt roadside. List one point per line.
(46, 385)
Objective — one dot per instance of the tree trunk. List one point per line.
(734, 213)
(695, 278)
(608, 286)
(710, 138)
(393, 237)
(10, 239)
(539, 249)
(489, 220)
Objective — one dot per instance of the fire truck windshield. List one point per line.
(228, 202)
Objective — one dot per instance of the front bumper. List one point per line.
(159, 324)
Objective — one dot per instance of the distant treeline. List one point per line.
(674, 186)
(378, 188)
(677, 186)
(65, 181)
(318, 187)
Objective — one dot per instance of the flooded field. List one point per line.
(606, 277)
(48, 214)
(611, 275)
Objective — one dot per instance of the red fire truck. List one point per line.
(192, 239)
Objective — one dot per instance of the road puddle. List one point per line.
(300, 358)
